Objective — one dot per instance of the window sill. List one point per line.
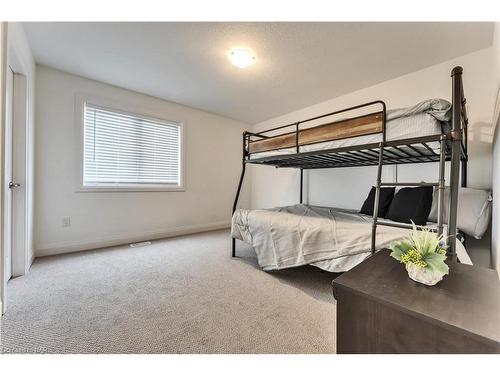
(125, 189)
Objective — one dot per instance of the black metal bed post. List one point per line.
(456, 144)
(301, 185)
(235, 204)
(464, 172)
(465, 136)
(297, 150)
(379, 180)
(441, 183)
(377, 196)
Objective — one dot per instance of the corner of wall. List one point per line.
(495, 235)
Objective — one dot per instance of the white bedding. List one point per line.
(332, 239)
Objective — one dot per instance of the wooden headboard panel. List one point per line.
(354, 127)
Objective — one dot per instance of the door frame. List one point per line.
(3, 71)
(20, 257)
(13, 58)
(20, 117)
(7, 196)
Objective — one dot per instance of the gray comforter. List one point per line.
(332, 239)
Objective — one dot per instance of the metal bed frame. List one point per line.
(452, 147)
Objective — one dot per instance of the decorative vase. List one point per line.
(423, 275)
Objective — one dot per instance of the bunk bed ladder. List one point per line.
(458, 158)
(439, 185)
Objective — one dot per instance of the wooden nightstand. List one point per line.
(380, 310)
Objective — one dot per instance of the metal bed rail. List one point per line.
(350, 109)
(407, 151)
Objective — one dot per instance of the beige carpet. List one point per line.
(179, 295)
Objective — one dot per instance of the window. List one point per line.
(128, 151)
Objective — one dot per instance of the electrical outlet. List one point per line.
(66, 221)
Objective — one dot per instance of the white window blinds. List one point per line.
(122, 149)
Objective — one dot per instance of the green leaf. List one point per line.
(436, 263)
(399, 248)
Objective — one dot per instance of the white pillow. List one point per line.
(473, 211)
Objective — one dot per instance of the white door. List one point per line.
(20, 260)
(8, 175)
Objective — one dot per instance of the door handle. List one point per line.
(13, 185)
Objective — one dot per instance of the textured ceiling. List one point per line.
(298, 64)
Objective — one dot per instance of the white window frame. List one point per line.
(128, 109)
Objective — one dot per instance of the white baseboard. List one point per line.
(64, 247)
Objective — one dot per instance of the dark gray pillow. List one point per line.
(386, 195)
(411, 204)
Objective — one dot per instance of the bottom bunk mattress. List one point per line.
(332, 239)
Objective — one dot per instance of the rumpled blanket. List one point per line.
(329, 238)
(440, 109)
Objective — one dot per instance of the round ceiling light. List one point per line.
(241, 57)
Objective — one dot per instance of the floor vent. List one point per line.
(139, 244)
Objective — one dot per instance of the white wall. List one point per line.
(348, 187)
(22, 62)
(495, 235)
(213, 164)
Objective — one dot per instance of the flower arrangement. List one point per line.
(423, 253)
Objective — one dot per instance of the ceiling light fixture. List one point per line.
(241, 57)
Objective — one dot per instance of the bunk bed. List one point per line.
(364, 135)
